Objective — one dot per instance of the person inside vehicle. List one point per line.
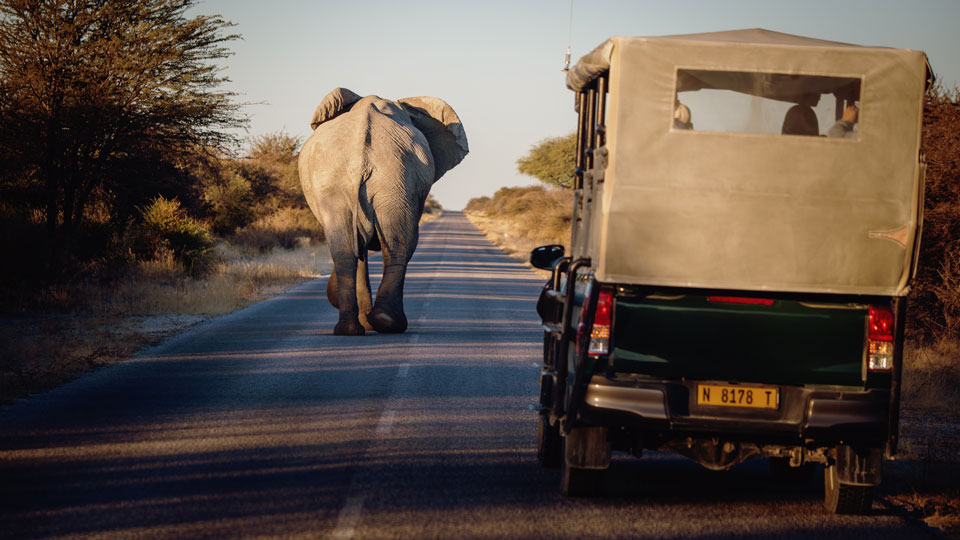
(844, 127)
(800, 120)
(681, 117)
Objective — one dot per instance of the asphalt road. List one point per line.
(261, 424)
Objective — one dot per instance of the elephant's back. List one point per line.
(373, 132)
(374, 135)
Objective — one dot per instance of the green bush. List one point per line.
(167, 229)
(432, 205)
(275, 146)
(231, 202)
(552, 160)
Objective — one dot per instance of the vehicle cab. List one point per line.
(747, 216)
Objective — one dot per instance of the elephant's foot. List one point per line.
(348, 326)
(386, 323)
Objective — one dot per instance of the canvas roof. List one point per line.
(597, 61)
(754, 211)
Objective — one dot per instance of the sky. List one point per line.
(499, 63)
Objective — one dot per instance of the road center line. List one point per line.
(348, 518)
(386, 422)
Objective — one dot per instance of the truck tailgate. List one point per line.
(787, 342)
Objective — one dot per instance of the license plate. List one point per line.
(752, 397)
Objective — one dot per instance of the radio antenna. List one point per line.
(566, 62)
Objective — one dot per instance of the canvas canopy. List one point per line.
(731, 203)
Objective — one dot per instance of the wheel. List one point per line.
(575, 482)
(781, 471)
(841, 498)
(549, 443)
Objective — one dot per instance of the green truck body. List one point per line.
(735, 290)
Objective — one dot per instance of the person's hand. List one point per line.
(850, 114)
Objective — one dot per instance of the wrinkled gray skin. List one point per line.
(366, 173)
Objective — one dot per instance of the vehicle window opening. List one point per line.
(767, 103)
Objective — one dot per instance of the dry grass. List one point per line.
(430, 215)
(503, 235)
(519, 219)
(41, 352)
(87, 325)
(940, 510)
(287, 228)
(536, 213)
(931, 378)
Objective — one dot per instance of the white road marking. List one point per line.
(386, 422)
(352, 510)
(348, 519)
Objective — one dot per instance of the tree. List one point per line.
(276, 146)
(276, 154)
(935, 303)
(551, 161)
(101, 100)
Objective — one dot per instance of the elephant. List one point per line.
(366, 171)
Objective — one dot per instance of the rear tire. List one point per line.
(841, 498)
(549, 443)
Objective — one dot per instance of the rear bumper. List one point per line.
(804, 415)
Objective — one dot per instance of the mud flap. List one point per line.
(863, 467)
(587, 448)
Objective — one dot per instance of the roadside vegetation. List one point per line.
(127, 207)
(932, 377)
(172, 268)
(518, 219)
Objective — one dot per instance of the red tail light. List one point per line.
(602, 318)
(880, 326)
(881, 323)
(604, 308)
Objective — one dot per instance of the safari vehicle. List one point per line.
(746, 223)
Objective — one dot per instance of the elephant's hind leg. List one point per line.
(387, 316)
(349, 322)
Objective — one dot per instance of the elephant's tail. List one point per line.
(355, 230)
(333, 296)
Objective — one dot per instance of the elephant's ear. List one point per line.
(442, 128)
(339, 100)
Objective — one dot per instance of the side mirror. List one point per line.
(546, 257)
